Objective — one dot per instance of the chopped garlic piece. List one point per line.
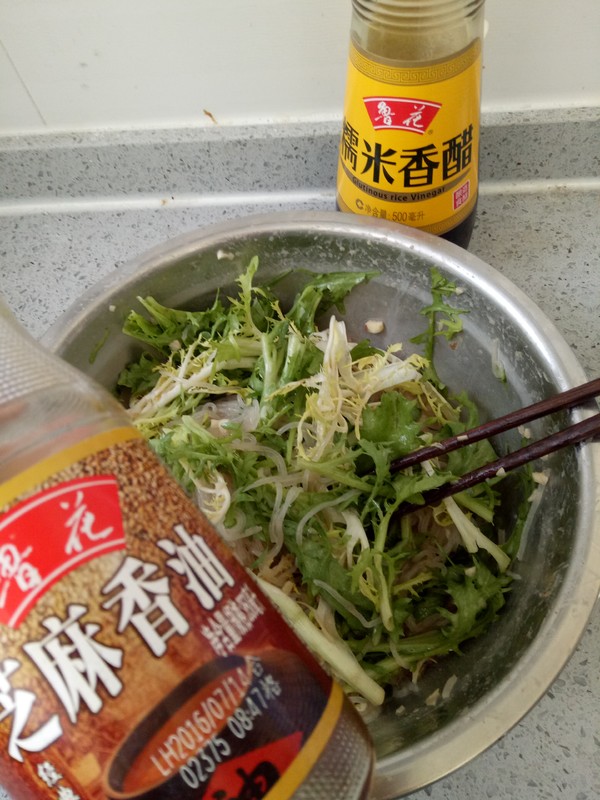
(449, 686)
(540, 477)
(433, 698)
(374, 326)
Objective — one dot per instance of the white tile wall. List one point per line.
(85, 64)
(542, 54)
(17, 109)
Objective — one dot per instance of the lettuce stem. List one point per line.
(339, 658)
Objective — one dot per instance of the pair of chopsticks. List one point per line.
(575, 434)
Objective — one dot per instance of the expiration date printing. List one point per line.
(240, 724)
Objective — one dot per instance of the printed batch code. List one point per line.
(196, 748)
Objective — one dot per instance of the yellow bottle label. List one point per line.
(409, 148)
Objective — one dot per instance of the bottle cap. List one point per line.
(418, 15)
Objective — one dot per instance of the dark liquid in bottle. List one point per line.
(461, 234)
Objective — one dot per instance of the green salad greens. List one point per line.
(284, 433)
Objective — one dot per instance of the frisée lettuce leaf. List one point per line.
(283, 432)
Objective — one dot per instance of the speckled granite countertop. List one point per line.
(75, 207)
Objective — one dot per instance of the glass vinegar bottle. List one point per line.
(409, 148)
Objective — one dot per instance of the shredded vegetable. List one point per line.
(284, 432)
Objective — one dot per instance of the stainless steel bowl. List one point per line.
(502, 675)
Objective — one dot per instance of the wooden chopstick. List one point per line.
(558, 402)
(575, 434)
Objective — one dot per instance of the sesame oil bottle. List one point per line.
(138, 659)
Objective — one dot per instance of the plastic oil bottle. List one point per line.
(137, 658)
(409, 148)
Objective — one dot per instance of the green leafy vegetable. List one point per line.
(443, 319)
(284, 434)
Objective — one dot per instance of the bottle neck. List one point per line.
(409, 33)
(417, 15)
